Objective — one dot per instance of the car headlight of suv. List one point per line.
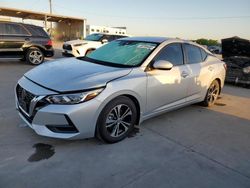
(80, 44)
(73, 98)
(246, 70)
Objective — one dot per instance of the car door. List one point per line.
(200, 70)
(1, 39)
(167, 88)
(13, 38)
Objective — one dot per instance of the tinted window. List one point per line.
(120, 36)
(94, 37)
(172, 53)
(109, 37)
(203, 54)
(193, 54)
(2, 28)
(14, 29)
(37, 31)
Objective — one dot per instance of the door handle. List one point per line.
(184, 74)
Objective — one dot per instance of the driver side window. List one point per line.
(172, 53)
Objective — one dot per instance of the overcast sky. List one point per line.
(189, 19)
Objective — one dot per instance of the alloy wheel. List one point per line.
(36, 57)
(213, 93)
(119, 120)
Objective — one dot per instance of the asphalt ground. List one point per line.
(190, 147)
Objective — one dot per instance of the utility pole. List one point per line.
(50, 11)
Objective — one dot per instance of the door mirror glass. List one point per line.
(104, 41)
(163, 65)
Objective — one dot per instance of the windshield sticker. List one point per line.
(146, 46)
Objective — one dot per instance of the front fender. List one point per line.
(135, 87)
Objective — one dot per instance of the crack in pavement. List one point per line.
(138, 177)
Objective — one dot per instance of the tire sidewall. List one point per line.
(102, 132)
(206, 102)
(28, 54)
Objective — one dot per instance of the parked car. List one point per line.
(24, 42)
(236, 54)
(78, 48)
(116, 87)
(215, 49)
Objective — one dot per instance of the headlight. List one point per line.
(74, 98)
(246, 70)
(81, 44)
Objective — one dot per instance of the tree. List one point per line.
(207, 42)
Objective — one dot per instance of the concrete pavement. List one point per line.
(190, 147)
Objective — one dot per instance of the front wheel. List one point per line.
(89, 52)
(34, 56)
(212, 94)
(117, 120)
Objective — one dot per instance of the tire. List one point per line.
(34, 56)
(212, 94)
(112, 129)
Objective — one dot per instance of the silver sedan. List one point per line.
(116, 87)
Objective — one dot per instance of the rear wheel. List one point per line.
(212, 94)
(34, 56)
(116, 120)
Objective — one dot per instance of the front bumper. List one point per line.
(60, 121)
(236, 76)
(67, 54)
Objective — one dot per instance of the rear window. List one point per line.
(37, 31)
(193, 54)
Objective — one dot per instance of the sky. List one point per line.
(188, 19)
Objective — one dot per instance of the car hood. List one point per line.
(71, 74)
(72, 42)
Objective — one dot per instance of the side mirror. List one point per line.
(163, 65)
(104, 41)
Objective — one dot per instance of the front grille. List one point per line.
(235, 74)
(67, 47)
(24, 98)
(29, 119)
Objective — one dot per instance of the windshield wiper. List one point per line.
(109, 64)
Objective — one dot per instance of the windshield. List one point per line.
(94, 37)
(123, 53)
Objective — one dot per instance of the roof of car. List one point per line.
(123, 35)
(147, 39)
(19, 23)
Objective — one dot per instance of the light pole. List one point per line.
(50, 11)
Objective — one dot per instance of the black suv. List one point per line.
(25, 42)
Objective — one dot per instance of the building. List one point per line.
(90, 29)
(64, 27)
